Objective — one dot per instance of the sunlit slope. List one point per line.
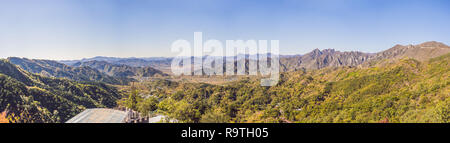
(404, 90)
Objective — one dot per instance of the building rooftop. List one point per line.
(99, 115)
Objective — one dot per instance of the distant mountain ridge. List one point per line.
(421, 52)
(55, 69)
(121, 70)
(159, 63)
(316, 59)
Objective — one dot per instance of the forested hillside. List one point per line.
(404, 90)
(29, 97)
(121, 70)
(159, 63)
(51, 68)
(402, 84)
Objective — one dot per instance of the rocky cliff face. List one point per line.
(318, 59)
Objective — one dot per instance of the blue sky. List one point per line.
(75, 29)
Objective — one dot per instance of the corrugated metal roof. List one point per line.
(99, 115)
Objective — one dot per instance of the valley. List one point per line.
(402, 84)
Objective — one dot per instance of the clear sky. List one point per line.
(75, 29)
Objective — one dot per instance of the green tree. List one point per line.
(216, 115)
(148, 105)
(133, 100)
(443, 111)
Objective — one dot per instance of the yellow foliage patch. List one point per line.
(3, 118)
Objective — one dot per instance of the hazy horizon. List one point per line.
(77, 29)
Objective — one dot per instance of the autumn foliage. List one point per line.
(3, 118)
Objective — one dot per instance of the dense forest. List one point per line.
(404, 90)
(27, 97)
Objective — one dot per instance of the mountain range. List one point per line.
(51, 68)
(97, 71)
(121, 70)
(28, 97)
(159, 63)
(114, 70)
(406, 83)
(421, 52)
(316, 59)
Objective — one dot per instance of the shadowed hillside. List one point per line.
(117, 70)
(34, 98)
(55, 69)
